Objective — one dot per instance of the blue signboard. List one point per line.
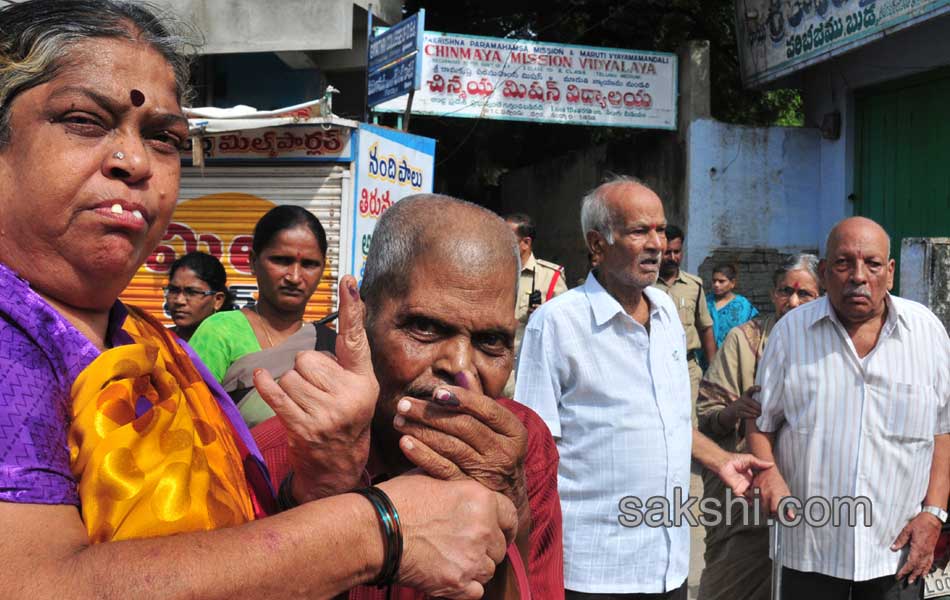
(394, 64)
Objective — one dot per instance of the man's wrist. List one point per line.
(939, 513)
(372, 545)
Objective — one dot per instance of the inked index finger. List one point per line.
(487, 410)
(352, 346)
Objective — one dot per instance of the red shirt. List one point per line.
(546, 555)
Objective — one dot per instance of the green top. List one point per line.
(223, 338)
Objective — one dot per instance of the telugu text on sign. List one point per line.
(291, 142)
(494, 78)
(776, 39)
(390, 165)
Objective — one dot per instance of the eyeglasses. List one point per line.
(788, 292)
(189, 292)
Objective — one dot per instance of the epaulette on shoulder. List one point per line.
(694, 278)
(548, 264)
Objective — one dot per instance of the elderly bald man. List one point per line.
(855, 390)
(440, 288)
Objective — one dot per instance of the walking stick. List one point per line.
(776, 543)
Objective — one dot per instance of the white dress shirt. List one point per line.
(617, 399)
(855, 427)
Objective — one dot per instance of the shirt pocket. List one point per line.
(686, 307)
(910, 411)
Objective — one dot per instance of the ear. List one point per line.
(252, 262)
(891, 264)
(595, 243)
(822, 272)
(218, 301)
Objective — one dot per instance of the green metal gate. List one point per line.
(902, 158)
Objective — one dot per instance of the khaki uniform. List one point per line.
(737, 555)
(687, 294)
(536, 274)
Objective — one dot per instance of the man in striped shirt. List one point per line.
(855, 390)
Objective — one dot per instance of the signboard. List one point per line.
(390, 165)
(293, 142)
(778, 38)
(393, 66)
(495, 78)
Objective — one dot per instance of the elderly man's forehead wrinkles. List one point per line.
(644, 221)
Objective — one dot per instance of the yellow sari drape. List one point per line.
(173, 469)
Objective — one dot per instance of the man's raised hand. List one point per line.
(326, 405)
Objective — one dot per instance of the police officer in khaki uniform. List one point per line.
(687, 292)
(540, 281)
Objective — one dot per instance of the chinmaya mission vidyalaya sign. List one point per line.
(495, 78)
(778, 38)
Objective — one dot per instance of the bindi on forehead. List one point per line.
(137, 98)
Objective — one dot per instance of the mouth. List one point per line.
(123, 214)
(287, 291)
(650, 264)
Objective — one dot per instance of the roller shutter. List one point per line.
(216, 212)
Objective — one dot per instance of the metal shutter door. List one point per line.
(217, 209)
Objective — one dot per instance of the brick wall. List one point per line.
(754, 266)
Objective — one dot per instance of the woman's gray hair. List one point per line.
(595, 214)
(405, 233)
(797, 262)
(36, 37)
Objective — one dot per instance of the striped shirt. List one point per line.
(853, 427)
(617, 399)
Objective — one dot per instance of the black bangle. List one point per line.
(285, 494)
(392, 534)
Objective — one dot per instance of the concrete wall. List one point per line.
(277, 26)
(551, 192)
(752, 187)
(925, 274)
(754, 266)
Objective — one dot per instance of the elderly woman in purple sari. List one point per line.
(125, 469)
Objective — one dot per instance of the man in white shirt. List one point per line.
(855, 392)
(604, 365)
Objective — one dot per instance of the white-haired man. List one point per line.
(605, 366)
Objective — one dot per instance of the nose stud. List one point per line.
(118, 155)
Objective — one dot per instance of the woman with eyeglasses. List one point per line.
(288, 256)
(197, 288)
(737, 554)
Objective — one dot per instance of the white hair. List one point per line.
(595, 214)
(797, 262)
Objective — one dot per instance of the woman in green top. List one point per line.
(288, 256)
